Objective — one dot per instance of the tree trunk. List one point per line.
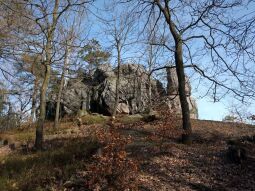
(149, 94)
(62, 80)
(117, 83)
(40, 123)
(33, 109)
(150, 63)
(187, 135)
(43, 92)
(172, 85)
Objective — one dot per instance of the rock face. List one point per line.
(96, 93)
(172, 83)
(172, 99)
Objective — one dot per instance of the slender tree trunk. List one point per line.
(117, 82)
(150, 61)
(139, 94)
(34, 95)
(149, 94)
(62, 80)
(187, 135)
(40, 124)
(43, 92)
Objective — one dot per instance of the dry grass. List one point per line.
(47, 169)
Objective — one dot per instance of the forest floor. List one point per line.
(163, 162)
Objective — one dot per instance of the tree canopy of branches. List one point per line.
(210, 40)
(41, 22)
(215, 39)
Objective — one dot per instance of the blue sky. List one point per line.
(206, 107)
(209, 110)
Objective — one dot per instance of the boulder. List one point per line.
(172, 103)
(172, 83)
(96, 92)
(75, 96)
(123, 108)
(172, 100)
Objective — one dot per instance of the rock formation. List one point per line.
(172, 99)
(96, 93)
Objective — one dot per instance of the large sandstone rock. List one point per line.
(173, 100)
(132, 89)
(123, 108)
(76, 96)
(172, 83)
(96, 92)
(173, 104)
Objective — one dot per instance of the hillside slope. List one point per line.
(163, 163)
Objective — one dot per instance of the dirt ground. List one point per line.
(169, 165)
(166, 164)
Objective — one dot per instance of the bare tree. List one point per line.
(29, 66)
(209, 32)
(18, 62)
(119, 29)
(47, 17)
(14, 26)
(68, 45)
(239, 112)
(152, 55)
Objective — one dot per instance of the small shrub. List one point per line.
(111, 168)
